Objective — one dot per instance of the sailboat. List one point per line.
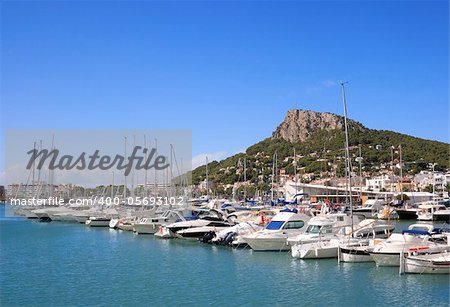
(329, 248)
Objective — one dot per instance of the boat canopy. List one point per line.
(416, 232)
(289, 210)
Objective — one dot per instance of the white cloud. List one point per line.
(321, 86)
(200, 159)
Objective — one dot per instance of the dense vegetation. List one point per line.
(324, 152)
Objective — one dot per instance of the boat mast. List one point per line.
(145, 174)
(207, 185)
(401, 171)
(295, 173)
(34, 165)
(125, 176)
(273, 173)
(347, 152)
(245, 178)
(156, 176)
(133, 174)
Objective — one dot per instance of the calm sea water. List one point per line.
(68, 264)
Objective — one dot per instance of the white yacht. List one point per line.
(370, 208)
(433, 212)
(234, 235)
(321, 241)
(324, 227)
(98, 221)
(387, 253)
(45, 213)
(356, 250)
(426, 260)
(150, 225)
(211, 217)
(274, 237)
(316, 250)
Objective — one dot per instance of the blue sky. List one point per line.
(227, 70)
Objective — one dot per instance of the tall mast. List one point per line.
(347, 152)
(273, 173)
(34, 165)
(401, 171)
(39, 169)
(245, 178)
(156, 177)
(125, 177)
(133, 174)
(50, 171)
(360, 172)
(207, 183)
(145, 173)
(112, 188)
(171, 170)
(295, 171)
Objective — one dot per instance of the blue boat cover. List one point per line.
(289, 210)
(416, 232)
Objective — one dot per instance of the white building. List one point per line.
(378, 183)
(36, 190)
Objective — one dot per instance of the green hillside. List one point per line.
(323, 152)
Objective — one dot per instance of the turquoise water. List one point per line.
(68, 264)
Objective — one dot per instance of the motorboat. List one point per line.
(286, 224)
(387, 213)
(212, 217)
(387, 253)
(425, 260)
(326, 243)
(150, 225)
(357, 250)
(367, 234)
(203, 233)
(234, 235)
(433, 212)
(370, 208)
(45, 214)
(98, 221)
(113, 223)
(324, 227)
(407, 212)
(126, 223)
(316, 250)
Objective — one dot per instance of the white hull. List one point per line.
(150, 228)
(164, 233)
(425, 267)
(113, 223)
(319, 250)
(354, 254)
(98, 223)
(196, 233)
(63, 217)
(267, 244)
(125, 227)
(386, 259)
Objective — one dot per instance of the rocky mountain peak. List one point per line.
(300, 125)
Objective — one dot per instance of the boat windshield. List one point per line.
(274, 225)
(313, 229)
(294, 225)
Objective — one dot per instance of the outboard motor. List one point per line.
(229, 238)
(207, 237)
